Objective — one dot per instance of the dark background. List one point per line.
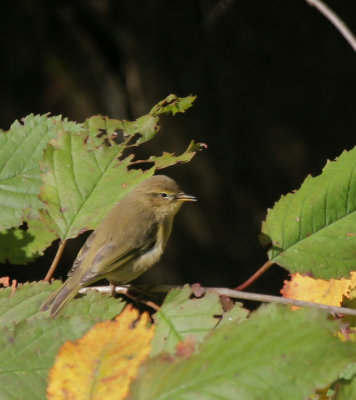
(276, 87)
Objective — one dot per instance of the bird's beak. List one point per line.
(186, 197)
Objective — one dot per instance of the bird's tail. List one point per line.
(59, 298)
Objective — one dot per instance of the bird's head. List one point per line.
(162, 194)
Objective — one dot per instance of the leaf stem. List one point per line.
(256, 275)
(55, 260)
(335, 20)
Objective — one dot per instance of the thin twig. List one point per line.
(119, 290)
(267, 265)
(55, 261)
(236, 295)
(266, 298)
(106, 289)
(151, 304)
(335, 20)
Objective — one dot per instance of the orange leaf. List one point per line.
(102, 364)
(318, 290)
(353, 281)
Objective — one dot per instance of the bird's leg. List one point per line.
(113, 287)
(136, 297)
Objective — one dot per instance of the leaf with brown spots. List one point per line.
(274, 354)
(186, 347)
(182, 316)
(102, 364)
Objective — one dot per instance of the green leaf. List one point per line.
(275, 354)
(347, 390)
(84, 170)
(19, 246)
(30, 340)
(141, 130)
(85, 175)
(122, 133)
(24, 368)
(81, 186)
(349, 372)
(28, 351)
(25, 303)
(168, 159)
(94, 303)
(345, 387)
(236, 315)
(181, 316)
(132, 133)
(173, 104)
(21, 150)
(314, 230)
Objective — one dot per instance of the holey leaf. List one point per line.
(19, 246)
(21, 150)
(82, 185)
(182, 317)
(314, 229)
(86, 175)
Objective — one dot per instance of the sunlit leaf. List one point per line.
(81, 186)
(25, 303)
(168, 159)
(29, 339)
(85, 175)
(313, 230)
(173, 104)
(275, 354)
(102, 364)
(182, 316)
(21, 150)
(317, 290)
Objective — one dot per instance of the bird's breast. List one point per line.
(151, 256)
(146, 259)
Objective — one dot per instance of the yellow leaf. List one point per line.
(318, 290)
(102, 364)
(352, 284)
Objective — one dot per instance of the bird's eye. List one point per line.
(163, 194)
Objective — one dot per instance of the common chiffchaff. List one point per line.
(128, 241)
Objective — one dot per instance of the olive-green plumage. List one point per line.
(128, 241)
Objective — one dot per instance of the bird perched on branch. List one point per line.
(130, 239)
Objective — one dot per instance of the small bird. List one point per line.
(129, 240)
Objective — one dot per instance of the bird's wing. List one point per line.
(82, 254)
(110, 255)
